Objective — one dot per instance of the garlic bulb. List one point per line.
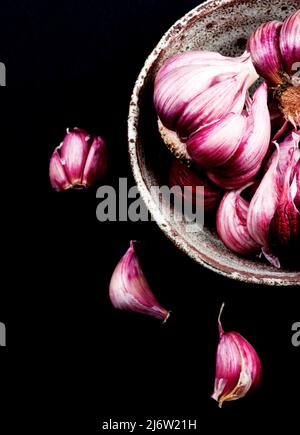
(206, 116)
(275, 51)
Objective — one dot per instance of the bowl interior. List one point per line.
(222, 26)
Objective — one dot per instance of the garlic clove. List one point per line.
(129, 289)
(96, 163)
(208, 106)
(183, 79)
(263, 45)
(214, 144)
(231, 223)
(290, 142)
(284, 232)
(74, 152)
(263, 205)
(187, 179)
(238, 368)
(247, 159)
(289, 42)
(58, 176)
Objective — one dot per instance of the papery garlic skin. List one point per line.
(188, 181)
(273, 218)
(79, 161)
(129, 289)
(263, 45)
(231, 222)
(238, 367)
(289, 42)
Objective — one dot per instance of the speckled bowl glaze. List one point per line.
(224, 26)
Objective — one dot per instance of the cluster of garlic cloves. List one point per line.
(275, 51)
(79, 161)
(238, 367)
(270, 221)
(209, 121)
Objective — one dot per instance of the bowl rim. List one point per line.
(291, 278)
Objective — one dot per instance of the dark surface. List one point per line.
(69, 353)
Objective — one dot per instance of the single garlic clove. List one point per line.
(96, 163)
(231, 223)
(263, 204)
(289, 42)
(245, 163)
(188, 180)
(238, 368)
(74, 152)
(175, 90)
(284, 232)
(290, 142)
(214, 144)
(58, 176)
(129, 289)
(263, 45)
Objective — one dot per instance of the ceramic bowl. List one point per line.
(224, 26)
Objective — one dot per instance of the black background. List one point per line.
(69, 354)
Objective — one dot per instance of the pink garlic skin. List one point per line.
(231, 223)
(289, 42)
(188, 86)
(182, 176)
(273, 218)
(245, 163)
(263, 45)
(263, 205)
(79, 161)
(238, 367)
(129, 289)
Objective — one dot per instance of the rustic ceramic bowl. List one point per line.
(221, 25)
